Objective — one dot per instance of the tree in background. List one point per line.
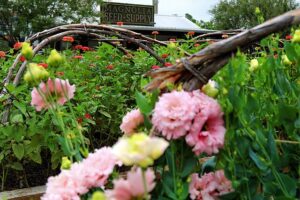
(234, 14)
(20, 18)
(201, 23)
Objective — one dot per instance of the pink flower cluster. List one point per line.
(133, 186)
(174, 113)
(91, 172)
(209, 186)
(53, 92)
(131, 121)
(193, 115)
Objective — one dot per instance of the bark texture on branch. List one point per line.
(209, 60)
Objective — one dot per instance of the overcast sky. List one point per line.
(197, 8)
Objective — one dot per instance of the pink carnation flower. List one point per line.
(133, 187)
(173, 114)
(131, 121)
(209, 186)
(51, 93)
(207, 131)
(91, 172)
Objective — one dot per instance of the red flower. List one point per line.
(79, 120)
(78, 47)
(22, 59)
(85, 48)
(196, 45)
(288, 37)
(18, 45)
(168, 64)
(45, 65)
(87, 116)
(60, 73)
(191, 33)
(110, 67)
(155, 33)
(2, 54)
(165, 55)
(68, 39)
(120, 23)
(78, 57)
(155, 67)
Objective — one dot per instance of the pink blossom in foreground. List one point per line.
(52, 92)
(173, 114)
(131, 121)
(209, 186)
(133, 186)
(207, 131)
(91, 172)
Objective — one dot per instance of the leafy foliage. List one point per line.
(235, 14)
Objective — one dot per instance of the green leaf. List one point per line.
(17, 118)
(17, 166)
(289, 183)
(188, 167)
(36, 157)
(185, 191)
(18, 150)
(20, 106)
(272, 147)
(262, 165)
(142, 103)
(106, 114)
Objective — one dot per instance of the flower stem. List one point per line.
(145, 184)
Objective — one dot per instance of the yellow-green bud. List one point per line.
(172, 45)
(35, 73)
(257, 10)
(27, 51)
(253, 65)
(286, 60)
(98, 196)
(55, 59)
(210, 89)
(296, 36)
(65, 163)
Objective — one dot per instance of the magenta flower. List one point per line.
(207, 131)
(91, 172)
(174, 113)
(209, 186)
(131, 121)
(133, 187)
(51, 93)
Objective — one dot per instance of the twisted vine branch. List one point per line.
(211, 59)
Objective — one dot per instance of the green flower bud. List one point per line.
(285, 60)
(257, 10)
(66, 163)
(296, 36)
(27, 51)
(253, 65)
(35, 74)
(98, 196)
(211, 89)
(55, 59)
(172, 45)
